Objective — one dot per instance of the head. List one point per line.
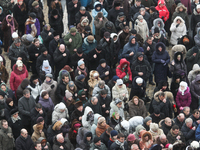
(75, 1)
(186, 110)
(103, 93)
(81, 64)
(121, 137)
(142, 11)
(38, 107)
(24, 133)
(149, 40)
(168, 122)
(48, 77)
(138, 3)
(175, 129)
(65, 79)
(4, 124)
(26, 93)
(195, 113)
(139, 81)
(94, 100)
(101, 84)
(9, 18)
(38, 145)
(135, 100)
(20, 2)
(178, 21)
(161, 96)
(134, 147)
(189, 122)
(45, 95)
(17, 42)
(82, 10)
(57, 37)
(126, 29)
(133, 41)
(62, 48)
(140, 58)
(36, 42)
(60, 138)
(163, 138)
(181, 117)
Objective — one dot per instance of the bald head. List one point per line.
(168, 121)
(24, 133)
(62, 48)
(163, 137)
(181, 117)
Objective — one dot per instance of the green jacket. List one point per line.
(75, 44)
(7, 6)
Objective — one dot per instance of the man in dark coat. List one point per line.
(195, 92)
(175, 134)
(56, 22)
(141, 67)
(24, 141)
(61, 57)
(47, 35)
(149, 48)
(17, 51)
(114, 12)
(195, 19)
(107, 44)
(34, 51)
(135, 8)
(78, 112)
(166, 125)
(195, 117)
(7, 6)
(94, 56)
(25, 104)
(94, 104)
(180, 120)
(161, 102)
(60, 142)
(73, 8)
(82, 13)
(123, 35)
(119, 142)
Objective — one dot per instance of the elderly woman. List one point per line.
(60, 111)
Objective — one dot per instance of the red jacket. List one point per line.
(163, 11)
(121, 72)
(17, 77)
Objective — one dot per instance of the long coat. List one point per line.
(195, 92)
(183, 100)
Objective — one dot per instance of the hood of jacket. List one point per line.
(1, 10)
(36, 130)
(161, 2)
(25, 83)
(155, 23)
(87, 43)
(83, 132)
(195, 12)
(146, 133)
(138, 129)
(197, 78)
(59, 106)
(114, 106)
(179, 6)
(156, 96)
(40, 139)
(62, 72)
(140, 103)
(87, 110)
(129, 41)
(16, 71)
(112, 36)
(176, 55)
(97, 4)
(179, 18)
(96, 117)
(123, 61)
(84, 19)
(196, 68)
(163, 47)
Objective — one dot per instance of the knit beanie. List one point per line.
(156, 30)
(117, 101)
(140, 17)
(139, 80)
(147, 119)
(140, 49)
(80, 62)
(61, 106)
(71, 84)
(102, 61)
(29, 37)
(72, 30)
(68, 94)
(49, 75)
(101, 119)
(35, 3)
(113, 133)
(96, 139)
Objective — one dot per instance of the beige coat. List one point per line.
(92, 81)
(142, 29)
(118, 92)
(36, 134)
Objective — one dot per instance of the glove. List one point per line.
(52, 86)
(125, 99)
(162, 61)
(177, 25)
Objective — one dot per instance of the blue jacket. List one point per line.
(87, 47)
(128, 48)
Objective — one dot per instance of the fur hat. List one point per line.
(39, 126)
(90, 38)
(35, 3)
(96, 139)
(131, 137)
(194, 144)
(101, 119)
(72, 30)
(139, 80)
(57, 125)
(154, 127)
(54, 12)
(29, 37)
(96, 74)
(113, 133)
(80, 62)
(78, 104)
(19, 63)
(68, 94)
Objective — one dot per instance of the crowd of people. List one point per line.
(87, 89)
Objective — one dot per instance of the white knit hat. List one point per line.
(139, 80)
(15, 35)
(19, 63)
(195, 144)
(183, 83)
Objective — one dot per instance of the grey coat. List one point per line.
(193, 73)
(101, 147)
(25, 105)
(6, 141)
(97, 90)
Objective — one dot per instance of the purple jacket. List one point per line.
(37, 24)
(183, 100)
(47, 104)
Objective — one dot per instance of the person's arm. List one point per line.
(173, 27)
(22, 111)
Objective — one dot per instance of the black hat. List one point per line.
(32, 15)
(55, 33)
(89, 134)
(54, 12)
(8, 100)
(133, 31)
(107, 35)
(177, 1)
(80, 50)
(13, 111)
(2, 93)
(156, 30)
(99, 47)
(102, 61)
(34, 77)
(153, 8)
(157, 111)
(78, 104)
(97, 139)
(87, 29)
(116, 4)
(39, 119)
(121, 14)
(43, 49)
(195, 49)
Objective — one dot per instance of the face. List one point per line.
(98, 8)
(82, 66)
(146, 138)
(164, 87)
(141, 20)
(3, 87)
(149, 122)
(115, 38)
(73, 33)
(161, 98)
(179, 57)
(27, 95)
(80, 108)
(114, 137)
(46, 96)
(121, 139)
(57, 37)
(161, 5)
(182, 87)
(37, 43)
(158, 24)
(121, 18)
(25, 134)
(48, 79)
(62, 110)
(189, 124)
(15, 115)
(181, 9)
(62, 49)
(120, 86)
(98, 143)
(119, 105)
(196, 115)
(104, 95)
(103, 123)
(38, 147)
(1, 97)
(138, 3)
(135, 101)
(20, 3)
(35, 81)
(88, 138)
(82, 12)
(5, 125)
(149, 42)
(84, 23)
(18, 44)
(0, 11)
(176, 131)
(126, 31)
(9, 20)
(56, 1)
(187, 111)
(103, 65)
(178, 80)
(66, 79)
(19, 68)
(168, 123)
(61, 140)
(95, 102)
(163, 140)
(139, 84)
(117, 8)
(133, 41)
(156, 34)
(45, 53)
(178, 21)
(160, 48)
(11, 103)
(140, 58)
(48, 28)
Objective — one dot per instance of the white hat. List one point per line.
(119, 82)
(139, 80)
(19, 63)
(15, 35)
(61, 106)
(183, 83)
(195, 144)
(198, 6)
(95, 74)
(1, 59)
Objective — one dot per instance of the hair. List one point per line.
(109, 129)
(188, 120)
(64, 75)
(149, 38)
(17, 40)
(195, 111)
(135, 97)
(93, 98)
(36, 143)
(142, 9)
(53, 5)
(126, 27)
(120, 135)
(44, 93)
(38, 105)
(3, 121)
(174, 127)
(103, 92)
(102, 82)
(35, 40)
(186, 108)
(26, 91)
(23, 7)
(162, 94)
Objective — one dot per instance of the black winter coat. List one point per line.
(35, 115)
(24, 144)
(150, 52)
(57, 24)
(20, 16)
(73, 11)
(52, 133)
(7, 110)
(75, 58)
(46, 38)
(115, 146)
(105, 138)
(188, 133)
(16, 127)
(32, 50)
(53, 45)
(80, 85)
(105, 101)
(137, 90)
(102, 71)
(166, 128)
(96, 108)
(76, 114)
(112, 14)
(29, 6)
(78, 16)
(60, 91)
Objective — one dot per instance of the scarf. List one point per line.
(12, 25)
(15, 119)
(121, 145)
(82, 71)
(183, 91)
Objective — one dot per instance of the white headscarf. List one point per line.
(46, 64)
(184, 84)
